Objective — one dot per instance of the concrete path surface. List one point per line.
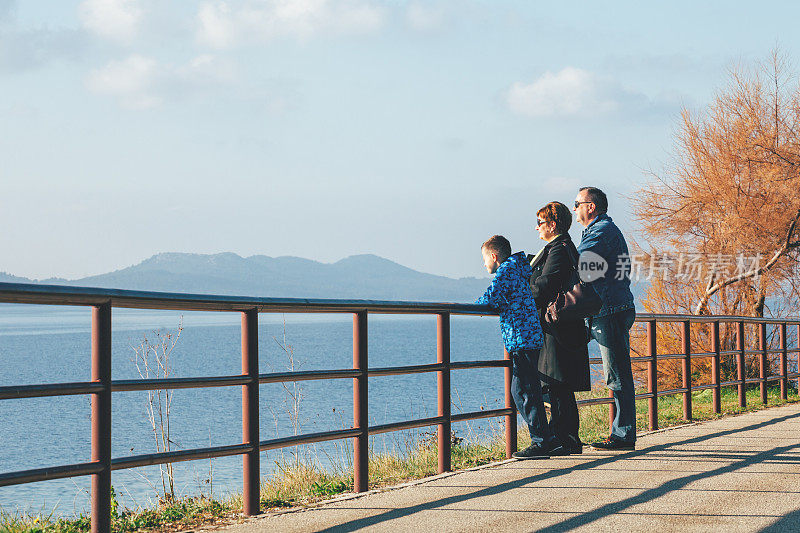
(740, 473)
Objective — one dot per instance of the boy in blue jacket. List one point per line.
(510, 294)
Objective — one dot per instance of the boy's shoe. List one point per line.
(613, 444)
(534, 451)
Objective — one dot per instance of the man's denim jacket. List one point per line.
(604, 238)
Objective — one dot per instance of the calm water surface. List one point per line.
(47, 345)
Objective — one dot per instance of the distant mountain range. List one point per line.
(356, 277)
(366, 277)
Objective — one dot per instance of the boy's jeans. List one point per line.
(612, 333)
(527, 392)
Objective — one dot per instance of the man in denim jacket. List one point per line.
(603, 242)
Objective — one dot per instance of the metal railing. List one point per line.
(715, 354)
(102, 386)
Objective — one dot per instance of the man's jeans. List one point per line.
(527, 392)
(612, 333)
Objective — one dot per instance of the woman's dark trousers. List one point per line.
(563, 414)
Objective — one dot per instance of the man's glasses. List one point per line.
(540, 222)
(578, 204)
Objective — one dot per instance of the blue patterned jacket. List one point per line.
(510, 294)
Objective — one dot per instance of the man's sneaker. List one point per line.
(534, 451)
(612, 443)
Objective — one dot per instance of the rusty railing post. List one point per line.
(612, 411)
(511, 419)
(686, 364)
(784, 381)
(360, 405)
(740, 368)
(716, 403)
(798, 356)
(762, 361)
(101, 418)
(652, 375)
(443, 386)
(251, 494)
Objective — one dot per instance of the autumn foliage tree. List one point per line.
(728, 207)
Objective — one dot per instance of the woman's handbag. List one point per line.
(579, 302)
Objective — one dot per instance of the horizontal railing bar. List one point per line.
(495, 363)
(177, 383)
(51, 389)
(150, 459)
(595, 401)
(410, 424)
(410, 369)
(730, 383)
(646, 317)
(669, 356)
(481, 414)
(308, 438)
(53, 472)
(89, 296)
(666, 356)
(669, 392)
(305, 375)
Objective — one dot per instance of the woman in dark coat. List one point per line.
(564, 357)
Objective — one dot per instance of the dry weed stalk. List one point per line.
(152, 360)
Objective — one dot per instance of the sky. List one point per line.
(328, 128)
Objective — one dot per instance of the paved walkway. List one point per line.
(740, 473)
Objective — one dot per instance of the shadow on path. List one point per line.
(605, 510)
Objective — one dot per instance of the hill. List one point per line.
(356, 277)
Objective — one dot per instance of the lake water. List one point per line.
(49, 345)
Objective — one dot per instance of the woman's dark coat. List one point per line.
(564, 355)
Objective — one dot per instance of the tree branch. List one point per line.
(703, 303)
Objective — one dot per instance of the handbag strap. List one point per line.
(575, 277)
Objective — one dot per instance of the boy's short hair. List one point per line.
(597, 197)
(498, 245)
(558, 213)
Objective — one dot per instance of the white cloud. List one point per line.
(222, 24)
(133, 80)
(118, 20)
(570, 92)
(141, 82)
